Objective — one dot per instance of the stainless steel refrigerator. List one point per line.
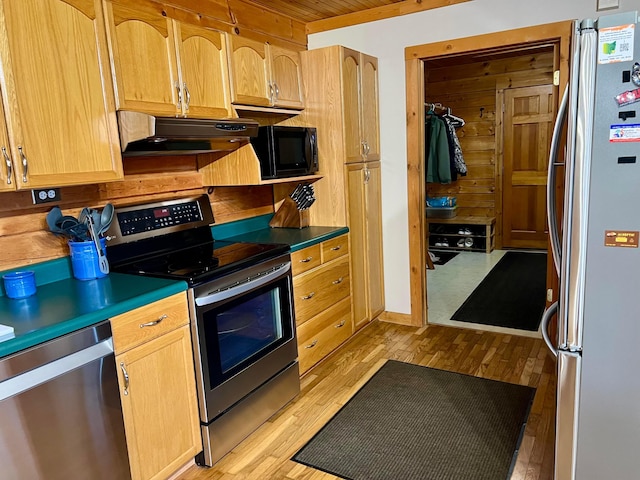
(597, 256)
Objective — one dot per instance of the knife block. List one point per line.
(288, 216)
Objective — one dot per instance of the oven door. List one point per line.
(244, 330)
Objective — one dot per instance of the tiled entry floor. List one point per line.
(449, 285)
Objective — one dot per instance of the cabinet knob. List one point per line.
(311, 295)
(306, 260)
(336, 248)
(187, 95)
(338, 281)
(126, 378)
(312, 344)
(179, 90)
(341, 324)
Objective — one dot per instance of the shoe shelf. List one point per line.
(473, 234)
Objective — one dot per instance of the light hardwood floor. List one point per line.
(267, 452)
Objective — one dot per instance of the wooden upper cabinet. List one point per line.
(59, 105)
(202, 57)
(286, 75)
(264, 75)
(7, 181)
(250, 75)
(370, 123)
(354, 147)
(144, 65)
(360, 106)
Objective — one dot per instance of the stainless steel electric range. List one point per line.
(241, 312)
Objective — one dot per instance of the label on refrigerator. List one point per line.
(619, 238)
(615, 44)
(624, 133)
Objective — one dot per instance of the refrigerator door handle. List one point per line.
(552, 214)
(544, 327)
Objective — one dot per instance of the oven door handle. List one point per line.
(246, 285)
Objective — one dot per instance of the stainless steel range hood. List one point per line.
(142, 134)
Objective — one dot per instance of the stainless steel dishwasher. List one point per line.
(60, 410)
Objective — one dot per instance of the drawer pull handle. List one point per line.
(338, 281)
(337, 248)
(155, 322)
(126, 378)
(306, 260)
(341, 324)
(311, 345)
(311, 295)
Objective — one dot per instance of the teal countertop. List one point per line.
(257, 230)
(63, 304)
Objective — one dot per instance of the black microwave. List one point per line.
(286, 151)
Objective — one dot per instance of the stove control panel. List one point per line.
(156, 218)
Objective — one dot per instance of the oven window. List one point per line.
(246, 328)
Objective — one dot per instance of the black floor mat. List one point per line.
(511, 295)
(413, 422)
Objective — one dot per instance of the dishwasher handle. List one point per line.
(32, 378)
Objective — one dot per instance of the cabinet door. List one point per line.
(351, 105)
(358, 245)
(369, 107)
(286, 76)
(59, 102)
(202, 59)
(7, 181)
(249, 72)
(159, 405)
(143, 58)
(373, 216)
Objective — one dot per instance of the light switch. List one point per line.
(608, 4)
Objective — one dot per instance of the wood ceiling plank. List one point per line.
(385, 11)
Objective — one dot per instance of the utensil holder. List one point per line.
(19, 284)
(288, 216)
(84, 260)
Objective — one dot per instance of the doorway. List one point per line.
(558, 35)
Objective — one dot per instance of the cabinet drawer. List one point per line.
(324, 333)
(138, 326)
(316, 290)
(334, 248)
(305, 259)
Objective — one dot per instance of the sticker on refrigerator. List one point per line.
(624, 133)
(618, 238)
(615, 44)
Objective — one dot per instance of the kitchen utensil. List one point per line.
(102, 259)
(105, 218)
(54, 215)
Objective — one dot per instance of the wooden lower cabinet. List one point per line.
(322, 299)
(157, 389)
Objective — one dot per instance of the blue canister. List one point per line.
(84, 260)
(19, 284)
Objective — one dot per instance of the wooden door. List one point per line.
(160, 403)
(373, 219)
(249, 72)
(356, 203)
(60, 110)
(143, 54)
(353, 148)
(529, 113)
(7, 177)
(286, 75)
(202, 61)
(370, 122)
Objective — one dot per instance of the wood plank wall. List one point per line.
(25, 237)
(471, 90)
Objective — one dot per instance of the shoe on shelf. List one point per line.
(461, 242)
(468, 242)
(467, 231)
(438, 243)
(445, 242)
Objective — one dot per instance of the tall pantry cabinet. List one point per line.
(341, 91)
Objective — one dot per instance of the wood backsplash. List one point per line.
(26, 239)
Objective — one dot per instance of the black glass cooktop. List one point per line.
(203, 262)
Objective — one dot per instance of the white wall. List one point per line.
(386, 40)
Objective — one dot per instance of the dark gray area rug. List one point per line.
(413, 422)
(512, 294)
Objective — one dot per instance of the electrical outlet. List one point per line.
(45, 196)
